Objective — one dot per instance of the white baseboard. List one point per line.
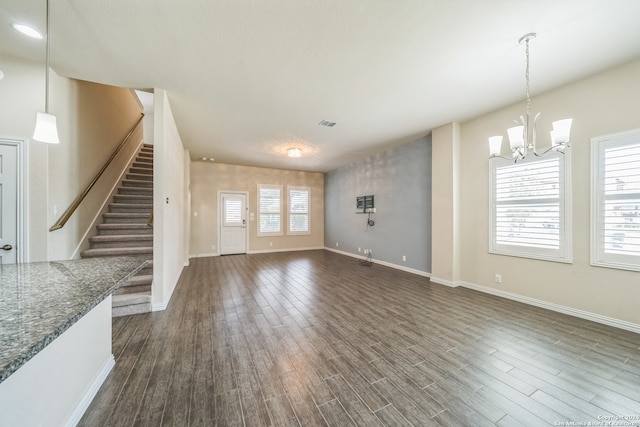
(203, 255)
(445, 282)
(385, 263)
(158, 306)
(93, 389)
(598, 318)
(268, 251)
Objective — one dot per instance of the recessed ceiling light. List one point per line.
(28, 31)
(294, 152)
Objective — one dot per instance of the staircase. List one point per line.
(124, 231)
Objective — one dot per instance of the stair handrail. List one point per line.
(74, 205)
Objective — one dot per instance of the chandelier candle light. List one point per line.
(46, 128)
(522, 137)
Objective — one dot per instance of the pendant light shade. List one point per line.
(46, 129)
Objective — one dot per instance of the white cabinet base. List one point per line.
(57, 385)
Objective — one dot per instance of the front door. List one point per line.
(8, 203)
(233, 224)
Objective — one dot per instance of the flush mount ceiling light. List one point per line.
(46, 127)
(289, 146)
(294, 152)
(27, 31)
(523, 136)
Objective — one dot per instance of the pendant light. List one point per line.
(46, 127)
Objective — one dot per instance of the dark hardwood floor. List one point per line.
(312, 338)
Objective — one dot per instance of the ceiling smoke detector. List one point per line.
(327, 123)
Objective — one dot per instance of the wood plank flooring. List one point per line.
(312, 339)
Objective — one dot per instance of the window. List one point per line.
(615, 196)
(270, 210)
(232, 212)
(530, 207)
(298, 210)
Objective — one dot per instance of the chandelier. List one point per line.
(522, 137)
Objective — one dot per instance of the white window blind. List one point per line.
(232, 212)
(616, 201)
(299, 210)
(529, 209)
(270, 210)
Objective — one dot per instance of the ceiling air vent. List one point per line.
(327, 123)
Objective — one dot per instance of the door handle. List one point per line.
(7, 247)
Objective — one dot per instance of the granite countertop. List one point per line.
(41, 300)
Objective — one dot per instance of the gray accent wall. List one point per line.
(400, 180)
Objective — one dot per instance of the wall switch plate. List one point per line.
(359, 249)
(337, 244)
(498, 278)
(404, 258)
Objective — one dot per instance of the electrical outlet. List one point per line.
(498, 278)
(270, 243)
(359, 249)
(337, 244)
(213, 247)
(366, 251)
(404, 258)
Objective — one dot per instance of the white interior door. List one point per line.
(233, 224)
(8, 203)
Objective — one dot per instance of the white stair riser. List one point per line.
(144, 230)
(129, 208)
(137, 199)
(139, 176)
(141, 171)
(136, 183)
(121, 244)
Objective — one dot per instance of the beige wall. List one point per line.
(21, 96)
(92, 120)
(209, 178)
(603, 104)
(445, 208)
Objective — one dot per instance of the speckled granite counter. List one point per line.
(39, 301)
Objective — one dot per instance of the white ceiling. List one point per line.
(248, 78)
